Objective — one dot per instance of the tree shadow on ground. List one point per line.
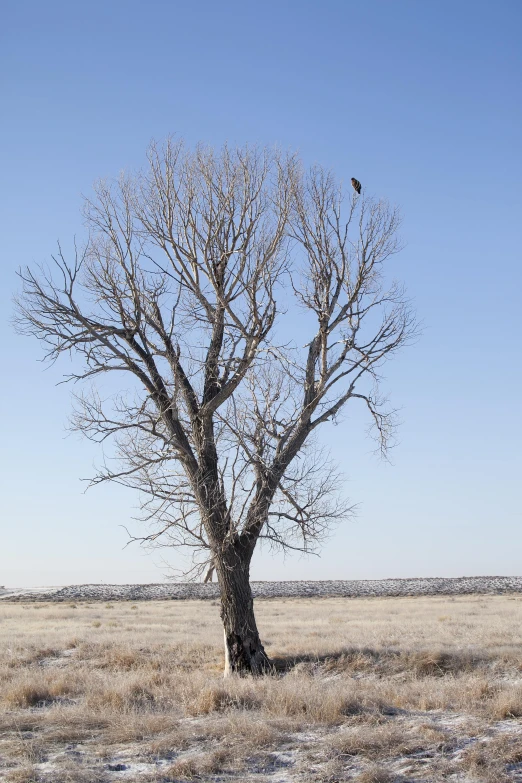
(387, 662)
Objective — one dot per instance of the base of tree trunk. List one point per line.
(245, 656)
(244, 653)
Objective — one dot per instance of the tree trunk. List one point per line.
(244, 653)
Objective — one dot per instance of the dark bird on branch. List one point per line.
(356, 185)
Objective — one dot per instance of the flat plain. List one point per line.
(372, 690)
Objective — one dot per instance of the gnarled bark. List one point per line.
(244, 652)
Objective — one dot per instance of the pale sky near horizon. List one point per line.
(421, 101)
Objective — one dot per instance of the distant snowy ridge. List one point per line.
(467, 585)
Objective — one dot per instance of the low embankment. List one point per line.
(468, 585)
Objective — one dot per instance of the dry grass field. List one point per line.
(369, 690)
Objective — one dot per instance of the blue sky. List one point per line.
(419, 100)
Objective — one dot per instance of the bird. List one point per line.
(356, 185)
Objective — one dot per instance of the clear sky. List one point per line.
(421, 101)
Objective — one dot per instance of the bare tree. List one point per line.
(177, 287)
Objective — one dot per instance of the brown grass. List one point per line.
(376, 775)
(367, 690)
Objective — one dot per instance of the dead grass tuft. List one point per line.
(508, 704)
(194, 767)
(492, 756)
(36, 693)
(374, 742)
(128, 696)
(312, 700)
(377, 775)
(482, 766)
(122, 659)
(220, 698)
(22, 775)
